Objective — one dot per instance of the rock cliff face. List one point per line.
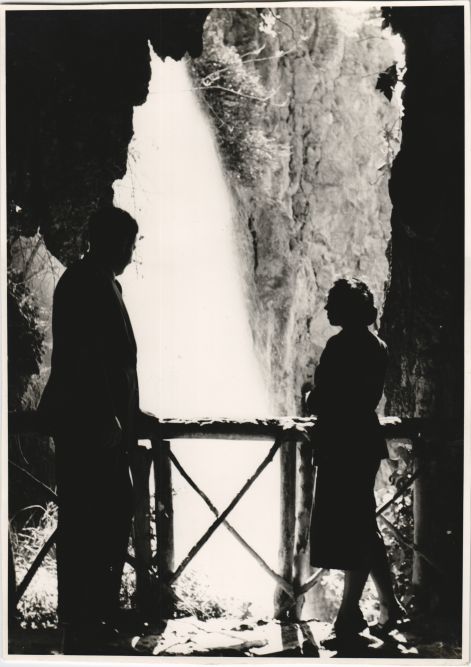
(318, 207)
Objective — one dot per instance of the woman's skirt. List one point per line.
(344, 532)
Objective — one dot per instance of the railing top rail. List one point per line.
(263, 428)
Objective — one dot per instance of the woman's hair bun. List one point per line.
(352, 302)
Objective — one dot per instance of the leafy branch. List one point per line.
(237, 100)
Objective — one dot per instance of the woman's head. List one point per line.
(350, 303)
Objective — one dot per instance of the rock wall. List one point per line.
(424, 310)
(424, 313)
(73, 79)
(317, 208)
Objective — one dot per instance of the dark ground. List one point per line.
(226, 637)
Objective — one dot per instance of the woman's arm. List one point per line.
(320, 395)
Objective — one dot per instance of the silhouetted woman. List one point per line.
(348, 384)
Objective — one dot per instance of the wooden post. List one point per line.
(11, 583)
(140, 468)
(438, 503)
(423, 521)
(163, 518)
(287, 526)
(302, 561)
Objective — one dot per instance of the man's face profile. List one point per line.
(112, 236)
(122, 256)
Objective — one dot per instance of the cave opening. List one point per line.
(324, 190)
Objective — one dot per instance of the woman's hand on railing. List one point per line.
(306, 391)
(292, 429)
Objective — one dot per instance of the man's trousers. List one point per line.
(95, 512)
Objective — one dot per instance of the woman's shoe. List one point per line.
(352, 625)
(345, 631)
(334, 642)
(341, 641)
(382, 630)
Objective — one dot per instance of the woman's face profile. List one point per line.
(332, 315)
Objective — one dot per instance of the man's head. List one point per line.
(112, 235)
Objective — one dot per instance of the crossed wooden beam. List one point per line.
(282, 430)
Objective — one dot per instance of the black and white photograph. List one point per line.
(233, 332)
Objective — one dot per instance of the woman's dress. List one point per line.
(348, 446)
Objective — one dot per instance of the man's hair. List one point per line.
(108, 225)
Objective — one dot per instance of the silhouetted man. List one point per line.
(92, 402)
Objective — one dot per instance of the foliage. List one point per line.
(128, 587)
(197, 599)
(37, 607)
(32, 275)
(25, 336)
(400, 514)
(237, 101)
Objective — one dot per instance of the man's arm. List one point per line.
(147, 425)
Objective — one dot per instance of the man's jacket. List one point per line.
(93, 377)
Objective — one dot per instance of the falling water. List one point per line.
(186, 300)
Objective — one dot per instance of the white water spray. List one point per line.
(195, 350)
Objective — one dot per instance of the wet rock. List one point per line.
(321, 208)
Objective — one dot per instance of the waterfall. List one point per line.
(186, 300)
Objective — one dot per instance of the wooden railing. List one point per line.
(155, 574)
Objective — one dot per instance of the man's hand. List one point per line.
(147, 425)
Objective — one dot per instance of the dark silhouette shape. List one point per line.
(309, 647)
(348, 384)
(387, 81)
(91, 405)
